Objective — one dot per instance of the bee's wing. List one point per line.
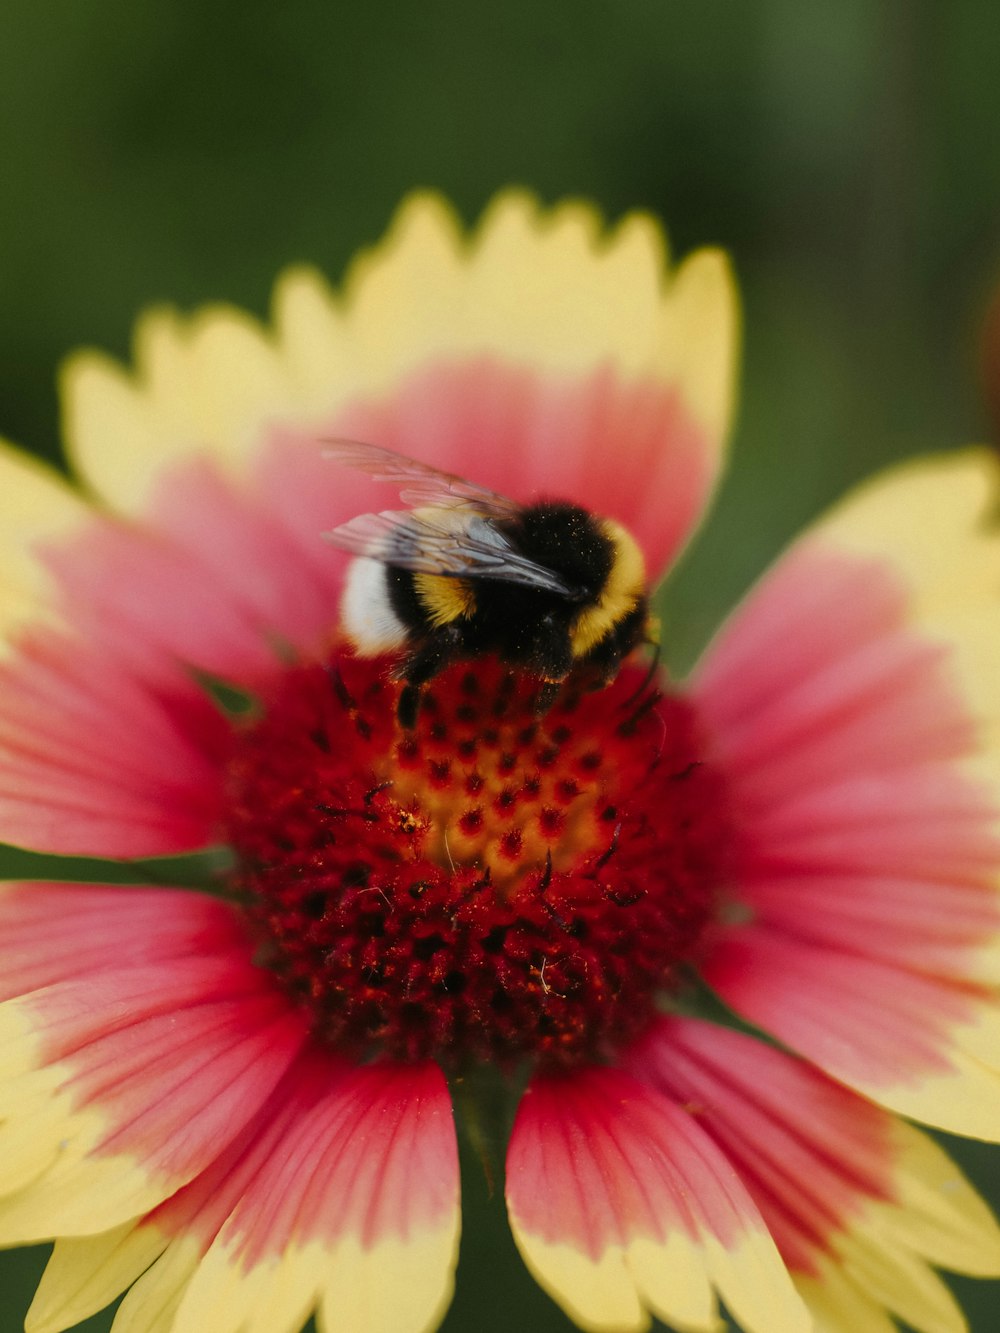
(420, 484)
(428, 544)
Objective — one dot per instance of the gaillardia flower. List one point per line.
(236, 1108)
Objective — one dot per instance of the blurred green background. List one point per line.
(844, 150)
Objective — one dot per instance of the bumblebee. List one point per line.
(549, 587)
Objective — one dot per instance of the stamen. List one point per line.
(489, 884)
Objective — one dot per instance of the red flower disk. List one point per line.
(235, 1108)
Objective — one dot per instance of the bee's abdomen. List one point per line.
(369, 614)
(401, 594)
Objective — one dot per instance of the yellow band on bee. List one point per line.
(443, 598)
(625, 586)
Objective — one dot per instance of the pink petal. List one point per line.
(916, 1043)
(625, 449)
(867, 828)
(108, 746)
(853, 690)
(878, 1022)
(810, 1152)
(341, 1194)
(210, 581)
(94, 761)
(855, 1199)
(340, 1150)
(59, 932)
(128, 1073)
(603, 1173)
(285, 580)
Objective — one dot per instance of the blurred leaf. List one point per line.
(195, 870)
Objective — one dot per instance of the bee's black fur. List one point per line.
(527, 628)
(565, 538)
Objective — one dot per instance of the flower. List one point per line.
(235, 1108)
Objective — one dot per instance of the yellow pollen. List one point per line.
(500, 801)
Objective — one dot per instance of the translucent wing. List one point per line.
(453, 545)
(419, 483)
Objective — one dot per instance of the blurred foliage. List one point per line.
(845, 152)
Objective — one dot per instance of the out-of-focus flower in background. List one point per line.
(235, 1105)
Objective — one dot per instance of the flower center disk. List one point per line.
(493, 885)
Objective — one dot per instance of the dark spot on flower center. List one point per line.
(490, 886)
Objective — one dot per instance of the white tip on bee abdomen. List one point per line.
(366, 612)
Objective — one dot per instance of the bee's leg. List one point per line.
(543, 648)
(606, 658)
(423, 665)
(648, 679)
(408, 706)
(548, 691)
